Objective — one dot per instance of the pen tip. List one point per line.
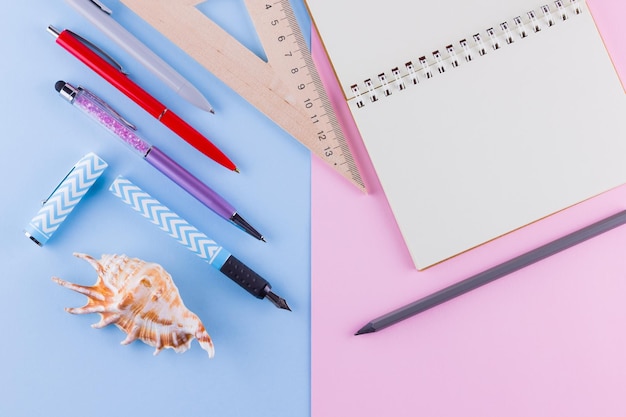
(263, 239)
(277, 301)
(240, 221)
(237, 170)
(212, 111)
(53, 31)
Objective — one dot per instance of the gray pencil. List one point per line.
(494, 273)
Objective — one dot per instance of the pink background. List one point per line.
(549, 340)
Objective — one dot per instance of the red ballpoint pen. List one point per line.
(78, 47)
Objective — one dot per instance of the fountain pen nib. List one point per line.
(277, 301)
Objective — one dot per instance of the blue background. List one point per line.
(54, 363)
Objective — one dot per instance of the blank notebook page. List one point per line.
(492, 144)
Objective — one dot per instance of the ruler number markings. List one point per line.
(308, 85)
(296, 70)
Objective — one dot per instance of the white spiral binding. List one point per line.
(409, 74)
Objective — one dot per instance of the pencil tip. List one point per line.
(368, 328)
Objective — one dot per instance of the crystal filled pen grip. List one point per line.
(100, 113)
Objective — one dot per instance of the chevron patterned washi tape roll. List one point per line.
(64, 198)
(170, 222)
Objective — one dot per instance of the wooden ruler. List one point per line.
(287, 88)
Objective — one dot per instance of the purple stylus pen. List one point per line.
(102, 113)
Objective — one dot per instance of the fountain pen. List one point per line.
(194, 240)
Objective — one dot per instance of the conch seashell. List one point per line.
(141, 299)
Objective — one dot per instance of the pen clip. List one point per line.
(99, 51)
(58, 185)
(102, 7)
(110, 109)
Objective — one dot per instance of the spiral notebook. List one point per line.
(479, 116)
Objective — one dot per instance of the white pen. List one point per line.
(100, 16)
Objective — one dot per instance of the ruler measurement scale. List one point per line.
(286, 50)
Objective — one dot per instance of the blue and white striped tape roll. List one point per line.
(65, 197)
